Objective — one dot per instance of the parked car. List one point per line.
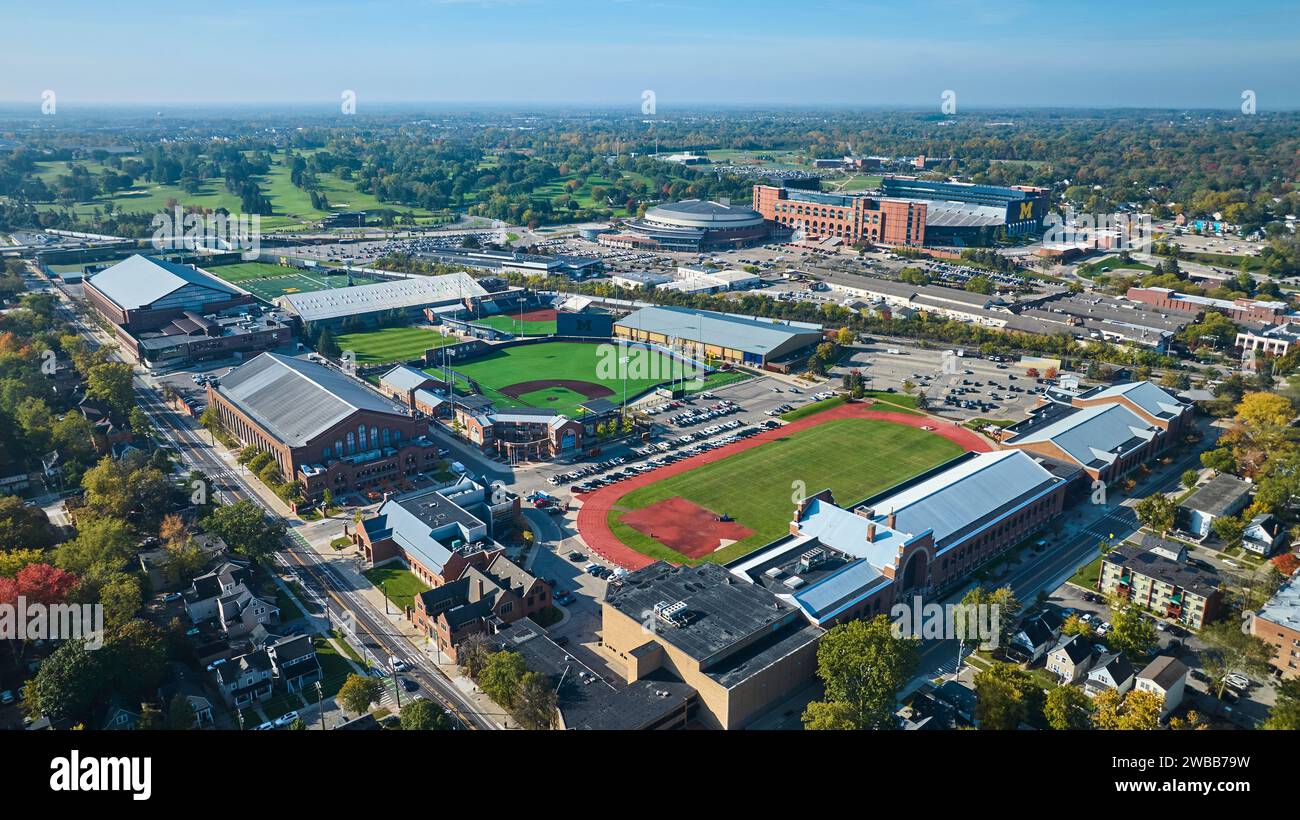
(410, 685)
(286, 719)
(1236, 680)
(396, 664)
(6, 697)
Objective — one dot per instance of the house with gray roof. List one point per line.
(1225, 494)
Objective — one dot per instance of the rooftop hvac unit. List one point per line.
(774, 572)
(674, 614)
(812, 558)
(793, 582)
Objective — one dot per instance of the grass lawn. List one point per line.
(334, 668)
(1086, 576)
(392, 344)
(289, 611)
(510, 324)
(813, 409)
(856, 458)
(398, 584)
(570, 361)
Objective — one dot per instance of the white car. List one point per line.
(396, 664)
(1236, 680)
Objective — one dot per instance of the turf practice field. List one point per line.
(563, 375)
(532, 323)
(268, 281)
(391, 344)
(855, 457)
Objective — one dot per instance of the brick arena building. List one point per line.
(325, 429)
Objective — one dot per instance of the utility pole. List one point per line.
(397, 690)
(320, 704)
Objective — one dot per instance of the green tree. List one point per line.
(23, 526)
(863, 667)
(421, 715)
(1132, 632)
(110, 383)
(1189, 478)
(1006, 697)
(66, 683)
(180, 715)
(245, 529)
(537, 704)
(1066, 707)
(1285, 714)
(358, 692)
(502, 677)
(1157, 512)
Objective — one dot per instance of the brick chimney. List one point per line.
(871, 532)
(892, 520)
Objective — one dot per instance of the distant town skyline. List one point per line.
(594, 52)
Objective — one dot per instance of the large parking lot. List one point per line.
(977, 387)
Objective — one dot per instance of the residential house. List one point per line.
(1165, 676)
(240, 611)
(294, 662)
(1264, 534)
(1222, 495)
(1109, 671)
(1037, 635)
(246, 679)
(207, 590)
(119, 716)
(1071, 659)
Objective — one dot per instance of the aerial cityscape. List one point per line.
(671, 381)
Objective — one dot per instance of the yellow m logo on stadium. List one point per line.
(1027, 210)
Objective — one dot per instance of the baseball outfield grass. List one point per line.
(392, 344)
(855, 458)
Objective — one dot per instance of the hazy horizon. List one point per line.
(1161, 55)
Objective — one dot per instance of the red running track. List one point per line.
(593, 524)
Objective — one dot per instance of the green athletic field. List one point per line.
(856, 458)
(267, 281)
(392, 344)
(510, 324)
(563, 361)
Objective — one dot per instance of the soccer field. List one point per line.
(392, 344)
(562, 375)
(268, 281)
(855, 458)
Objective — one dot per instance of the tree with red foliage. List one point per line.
(39, 584)
(1287, 563)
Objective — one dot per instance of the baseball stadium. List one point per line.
(720, 505)
(563, 375)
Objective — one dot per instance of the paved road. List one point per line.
(369, 631)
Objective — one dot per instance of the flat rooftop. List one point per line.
(732, 628)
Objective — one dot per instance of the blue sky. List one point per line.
(761, 52)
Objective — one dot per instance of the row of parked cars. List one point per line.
(723, 408)
(585, 470)
(693, 445)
